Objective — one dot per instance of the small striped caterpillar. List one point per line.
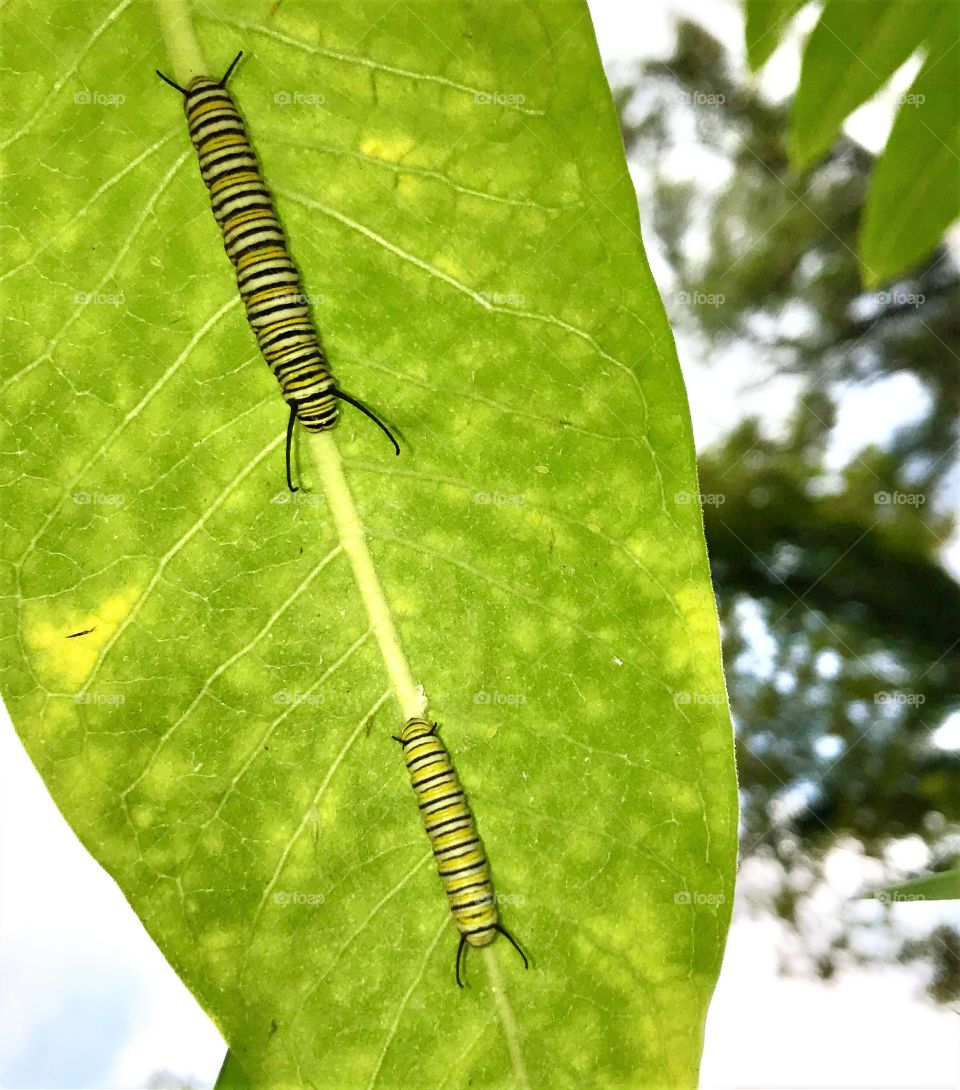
(267, 278)
(456, 846)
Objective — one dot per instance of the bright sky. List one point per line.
(88, 1001)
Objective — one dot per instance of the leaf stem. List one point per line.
(181, 41)
(326, 457)
(187, 60)
(508, 1021)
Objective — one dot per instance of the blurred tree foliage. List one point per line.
(841, 625)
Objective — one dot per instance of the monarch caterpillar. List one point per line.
(456, 847)
(266, 275)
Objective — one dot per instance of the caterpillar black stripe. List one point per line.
(268, 280)
(456, 847)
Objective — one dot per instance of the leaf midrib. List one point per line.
(352, 538)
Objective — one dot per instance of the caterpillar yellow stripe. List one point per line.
(457, 849)
(255, 242)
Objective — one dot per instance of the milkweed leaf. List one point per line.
(853, 50)
(766, 23)
(914, 193)
(452, 180)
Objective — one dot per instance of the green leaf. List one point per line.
(942, 886)
(766, 23)
(232, 1075)
(453, 183)
(853, 50)
(915, 190)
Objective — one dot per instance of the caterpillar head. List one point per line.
(415, 728)
(201, 83)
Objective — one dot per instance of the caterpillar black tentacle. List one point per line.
(255, 242)
(457, 849)
(290, 422)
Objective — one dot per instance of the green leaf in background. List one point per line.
(766, 23)
(453, 183)
(915, 190)
(853, 50)
(942, 886)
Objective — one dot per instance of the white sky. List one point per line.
(89, 1001)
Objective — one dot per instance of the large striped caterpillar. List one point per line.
(453, 836)
(267, 278)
